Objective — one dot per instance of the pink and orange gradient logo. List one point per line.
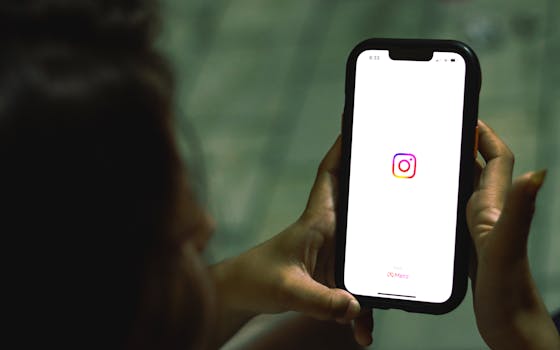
(404, 165)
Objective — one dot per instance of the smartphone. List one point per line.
(408, 138)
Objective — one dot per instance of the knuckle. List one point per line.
(507, 154)
(333, 310)
(337, 306)
(284, 293)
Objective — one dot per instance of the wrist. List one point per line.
(231, 314)
(230, 287)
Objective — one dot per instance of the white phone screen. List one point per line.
(404, 176)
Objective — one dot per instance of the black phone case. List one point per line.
(417, 49)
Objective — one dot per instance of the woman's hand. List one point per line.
(509, 311)
(295, 269)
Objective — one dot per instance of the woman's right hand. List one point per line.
(509, 311)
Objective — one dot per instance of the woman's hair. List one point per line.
(119, 24)
(89, 172)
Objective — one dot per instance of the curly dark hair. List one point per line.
(89, 169)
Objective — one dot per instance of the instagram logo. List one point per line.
(404, 165)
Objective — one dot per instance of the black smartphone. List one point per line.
(408, 137)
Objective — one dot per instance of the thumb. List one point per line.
(323, 192)
(512, 229)
(316, 300)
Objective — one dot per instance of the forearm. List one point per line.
(530, 330)
(532, 325)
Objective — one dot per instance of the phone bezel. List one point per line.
(470, 111)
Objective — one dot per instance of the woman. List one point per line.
(106, 228)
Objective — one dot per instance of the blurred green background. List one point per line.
(262, 83)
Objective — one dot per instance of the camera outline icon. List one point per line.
(404, 165)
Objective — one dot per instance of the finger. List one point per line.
(495, 179)
(363, 328)
(512, 228)
(478, 167)
(331, 161)
(316, 300)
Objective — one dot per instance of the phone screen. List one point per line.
(404, 176)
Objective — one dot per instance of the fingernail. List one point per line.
(342, 321)
(367, 341)
(353, 309)
(536, 180)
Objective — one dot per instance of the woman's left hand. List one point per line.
(295, 269)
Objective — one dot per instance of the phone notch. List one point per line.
(406, 54)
